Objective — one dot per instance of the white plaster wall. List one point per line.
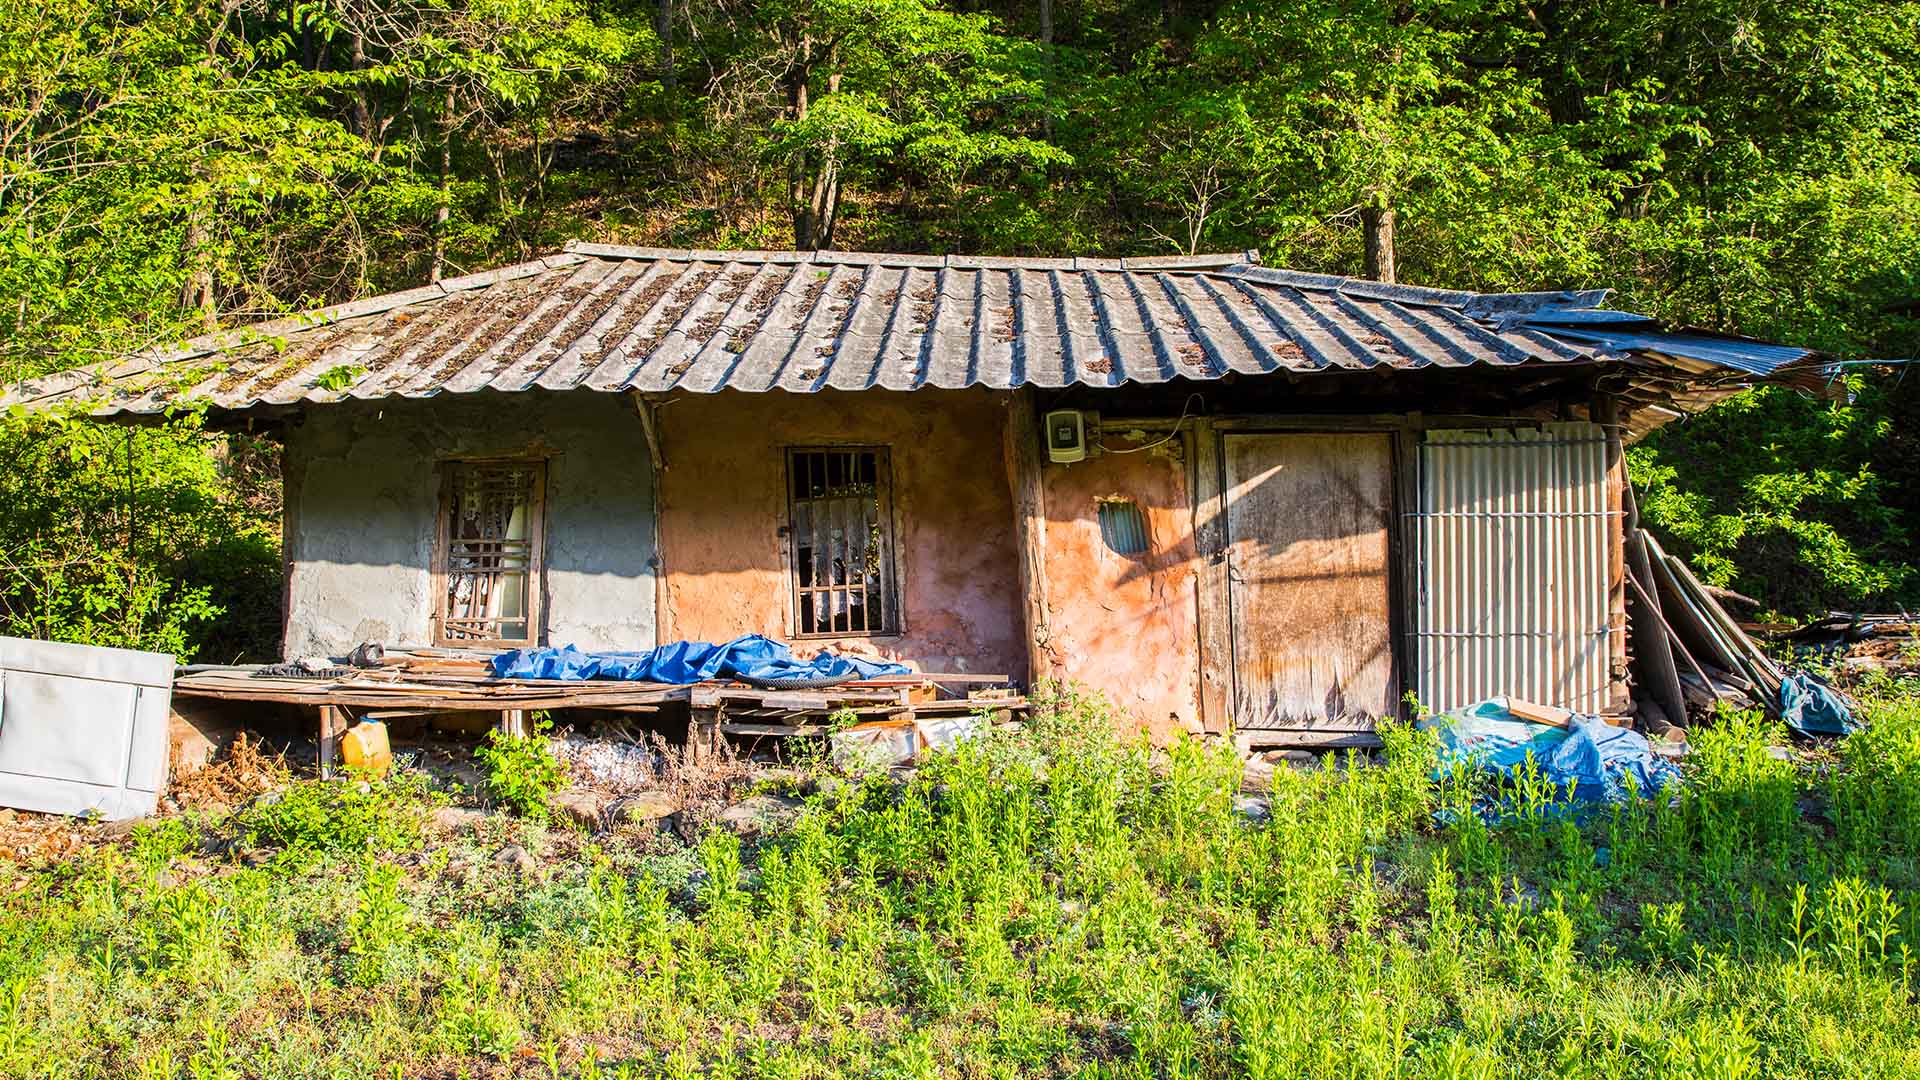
(362, 492)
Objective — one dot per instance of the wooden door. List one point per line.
(1307, 525)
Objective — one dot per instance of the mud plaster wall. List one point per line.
(363, 493)
(724, 500)
(1126, 624)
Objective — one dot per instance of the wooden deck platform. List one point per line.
(423, 686)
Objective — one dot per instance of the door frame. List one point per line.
(1207, 482)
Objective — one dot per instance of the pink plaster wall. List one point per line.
(724, 499)
(1126, 625)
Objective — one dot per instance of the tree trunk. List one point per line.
(444, 211)
(797, 199)
(1046, 52)
(1377, 219)
(362, 113)
(663, 29)
(197, 292)
(813, 182)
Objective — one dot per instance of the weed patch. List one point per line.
(1058, 902)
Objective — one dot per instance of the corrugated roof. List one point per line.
(623, 318)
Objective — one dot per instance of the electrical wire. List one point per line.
(1185, 411)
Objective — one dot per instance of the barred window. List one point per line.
(840, 526)
(488, 556)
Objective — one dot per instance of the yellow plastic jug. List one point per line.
(365, 747)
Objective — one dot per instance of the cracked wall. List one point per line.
(724, 503)
(363, 492)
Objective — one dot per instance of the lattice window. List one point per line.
(489, 555)
(841, 529)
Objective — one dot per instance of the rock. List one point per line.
(1256, 775)
(829, 785)
(1253, 808)
(1299, 759)
(645, 808)
(216, 845)
(516, 858)
(760, 814)
(585, 809)
(454, 820)
(779, 779)
(114, 831)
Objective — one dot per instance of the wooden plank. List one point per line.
(1307, 522)
(1306, 739)
(1215, 620)
(1022, 441)
(775, 730)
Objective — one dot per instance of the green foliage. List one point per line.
(522, 771)
(166, 167)
(148, 538)
(1784, 498)
(308, 819)
(1064, 901)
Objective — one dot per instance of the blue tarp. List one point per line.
(1588, 759)
(748, 657)
(1811, 707)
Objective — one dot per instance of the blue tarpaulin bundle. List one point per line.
(1589, 759)
(1811, 707)
(751, 657)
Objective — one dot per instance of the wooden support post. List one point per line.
(1022, 439)
(513, 722)
(703, 732)
(1606, 413)
(1210, 540)
(333, 722)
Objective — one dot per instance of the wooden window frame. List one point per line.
(893, 620)
(448, 469)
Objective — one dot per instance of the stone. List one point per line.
(583, 809)
(1256, 775)
(760, 814)
(779, 779)
(114, 831)
(644, 808)
(454, 820)
(1253, 808)
(516, 858)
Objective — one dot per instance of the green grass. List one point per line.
(1054, 903)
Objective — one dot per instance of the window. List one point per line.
(489, 556)
(840, 523)
(1123, 527)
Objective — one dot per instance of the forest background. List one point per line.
(172, 165)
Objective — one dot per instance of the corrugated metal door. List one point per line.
(1307, 522)
(1513, 554)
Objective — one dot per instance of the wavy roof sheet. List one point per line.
(615, 319)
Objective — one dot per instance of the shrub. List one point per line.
(522, 773)
(335, 815)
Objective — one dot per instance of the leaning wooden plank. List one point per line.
(1731, 629)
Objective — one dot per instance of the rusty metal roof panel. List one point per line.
(611, 318)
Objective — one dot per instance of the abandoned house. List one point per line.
(1225, 495)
